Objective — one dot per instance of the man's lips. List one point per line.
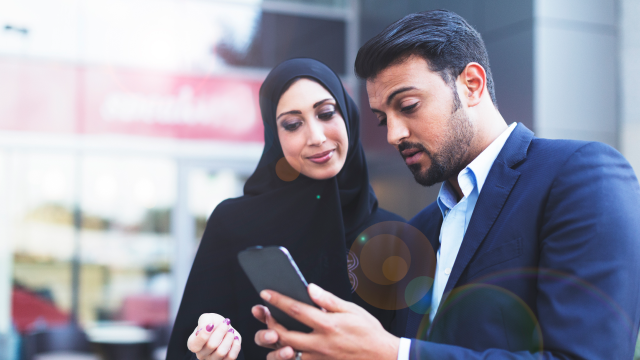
(411, 156)
(323, 157)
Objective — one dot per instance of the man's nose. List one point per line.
(316, 133)
(396, 131)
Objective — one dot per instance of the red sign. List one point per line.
(107, 100)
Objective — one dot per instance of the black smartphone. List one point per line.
(272, 268)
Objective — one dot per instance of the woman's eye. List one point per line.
(383, 122)
(326, 115)
(291, 126)
(409, 108)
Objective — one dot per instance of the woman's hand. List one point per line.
(214, 339)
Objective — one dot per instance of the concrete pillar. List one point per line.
(629, 78)
(576, 70)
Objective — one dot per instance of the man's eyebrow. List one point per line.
(401, 90)
(321, 102)
(289, 112)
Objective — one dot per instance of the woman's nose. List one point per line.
(316, 134)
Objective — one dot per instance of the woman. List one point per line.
(310, 193)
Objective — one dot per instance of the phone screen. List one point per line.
(273, 268)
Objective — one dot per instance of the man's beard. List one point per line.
(449, 161)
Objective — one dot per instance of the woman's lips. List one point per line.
(323, 157)
(411, 156)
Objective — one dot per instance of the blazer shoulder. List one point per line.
(550, 154)
(568, 147)
(564, 147)
(565, 152)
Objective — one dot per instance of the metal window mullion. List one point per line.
(315, 11)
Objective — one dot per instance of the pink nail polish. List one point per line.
(209, 327)
(231, 331)
(227, 321)
(236, 338)
(198, 331)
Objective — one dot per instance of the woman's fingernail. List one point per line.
(231, 331)
(198, 331)
(227, 321)
(236, 338)
(265, 295)
(209, 327)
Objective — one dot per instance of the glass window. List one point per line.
(126, 237)
(39, 209)
(207, 189)
(282, 36)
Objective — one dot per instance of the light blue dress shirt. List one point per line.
(456, 216)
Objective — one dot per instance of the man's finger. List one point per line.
(298, 340)
(327, 300)
(266, 338)
(306, 314)
(286, 353)
(259, 312)
(295, 339)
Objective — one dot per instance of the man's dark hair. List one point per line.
(443, 38)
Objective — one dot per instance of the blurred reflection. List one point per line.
(125, 236)
(207, 188)
(40, 201)
(102, 100)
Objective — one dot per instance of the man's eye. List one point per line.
(326, 115)
(409, 108)
(383, 122)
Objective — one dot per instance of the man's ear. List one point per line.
(473, 80)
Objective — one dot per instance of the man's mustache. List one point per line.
(406, 145)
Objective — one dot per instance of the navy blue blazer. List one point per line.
(550, 264)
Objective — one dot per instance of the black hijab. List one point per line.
(316, 220)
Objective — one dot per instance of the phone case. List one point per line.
(273, 268)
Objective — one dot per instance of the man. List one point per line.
(537, 240)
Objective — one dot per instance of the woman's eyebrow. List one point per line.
(289, 112)
(321, 102)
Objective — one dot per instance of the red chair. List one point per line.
(145, 310)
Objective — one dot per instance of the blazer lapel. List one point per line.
(495, 192)
(431, 229)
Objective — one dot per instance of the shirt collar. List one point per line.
(483, 162)
(475, 174)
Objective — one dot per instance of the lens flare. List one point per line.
(418, 294)
(470, 304)
(396, 266)
(285, 171)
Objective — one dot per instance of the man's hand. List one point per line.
(343, 331)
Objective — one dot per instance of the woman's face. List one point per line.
(312, 132)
